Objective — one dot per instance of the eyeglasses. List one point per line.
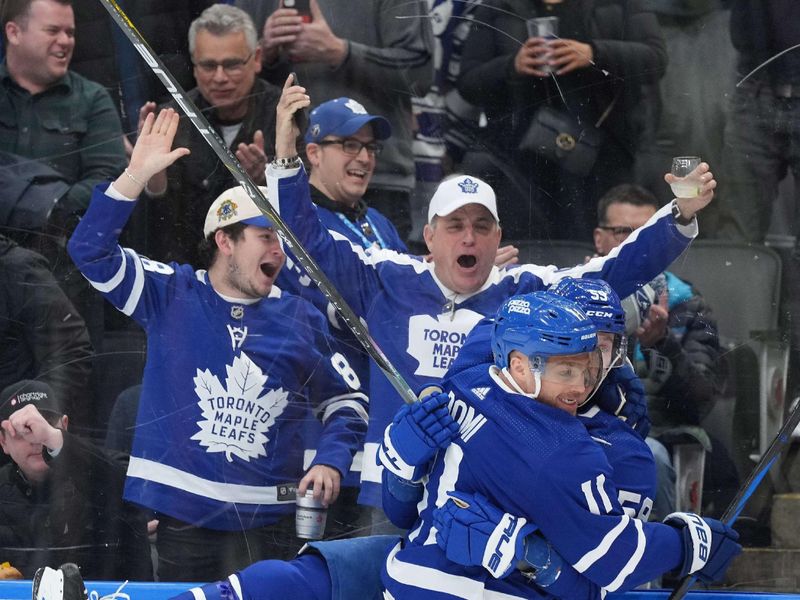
(353, 147)
(619, 232)
(231, 66)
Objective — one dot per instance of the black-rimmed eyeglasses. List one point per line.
(232, 66)
(353, 147)
(619, 232)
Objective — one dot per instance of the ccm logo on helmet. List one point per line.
(599, 313)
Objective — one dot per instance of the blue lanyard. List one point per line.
(364, 240)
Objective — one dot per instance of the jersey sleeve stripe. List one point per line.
(138, 285)
(342, 404)
(111, 284)
(591, 557)
(630, 566)
(198, 593)
(236, 585)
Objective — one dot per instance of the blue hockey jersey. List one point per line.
(370, 228)
(538, 462)
(418, 323)
(227, 385)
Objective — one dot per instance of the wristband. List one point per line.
(286, 163)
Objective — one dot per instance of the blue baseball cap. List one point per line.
(343, 117)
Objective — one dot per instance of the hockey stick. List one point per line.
(749, 486)
(229, 160)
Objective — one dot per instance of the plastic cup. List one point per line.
(543, 27)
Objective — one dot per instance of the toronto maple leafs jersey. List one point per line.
(420, 324)
(538, 462)
(227, 385)
(370, 228)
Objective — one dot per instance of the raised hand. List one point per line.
(690, 206)
(316, 42)
(152, 153)
(292, 99)
(280, 29)
(417, 432)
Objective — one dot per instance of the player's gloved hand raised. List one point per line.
(622, 394)
(416, 433)
(472, 531)
(709, 545)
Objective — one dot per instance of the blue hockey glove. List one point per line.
(622, 394)
(709, 545)
(473, 532)
(416, 433)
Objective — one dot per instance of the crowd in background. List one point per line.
(449, 87)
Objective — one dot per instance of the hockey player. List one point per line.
(519, 447)
(234, 367)
(419, 312)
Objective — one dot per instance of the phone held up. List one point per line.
(301, 115)
(301, 6)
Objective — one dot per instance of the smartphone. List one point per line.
(300, 116)
(301, 6)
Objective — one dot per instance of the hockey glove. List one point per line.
(473, 532)
(708, 545)
(417, 432)
(622, 394)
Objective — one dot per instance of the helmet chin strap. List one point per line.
(513, 383)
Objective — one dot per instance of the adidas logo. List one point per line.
(480, 392)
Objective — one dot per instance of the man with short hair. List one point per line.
(239, 106)
(235, 367)
(61, 497)
(53, 115)
(49, 113)
(420, 311)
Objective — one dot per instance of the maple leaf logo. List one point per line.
(236, 417)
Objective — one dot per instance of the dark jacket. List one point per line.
(76, 515)
(164, 25)
(195, 181)
(629, 47)
(41, 334)
(681, 372)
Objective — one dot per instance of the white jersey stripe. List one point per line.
(434, 580)
(630, 566)
(198, 593)
(371, 471)
(138, 285)
(601, 481)
(236, 585)
(586, 488)
(595, 554)
(111, 284)
(351, 403)
(223, 492)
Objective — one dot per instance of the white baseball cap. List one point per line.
(234, 206)
(458, 191)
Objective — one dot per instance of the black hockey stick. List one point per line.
(232, 164)
(749, 486)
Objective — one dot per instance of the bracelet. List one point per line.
(132, 178)
(286, 163)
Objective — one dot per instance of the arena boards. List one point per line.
(21, 590)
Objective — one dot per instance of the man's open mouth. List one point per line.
(269, 269)
(467, 261)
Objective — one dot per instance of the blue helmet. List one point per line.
(541, 324)
(596, 298)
